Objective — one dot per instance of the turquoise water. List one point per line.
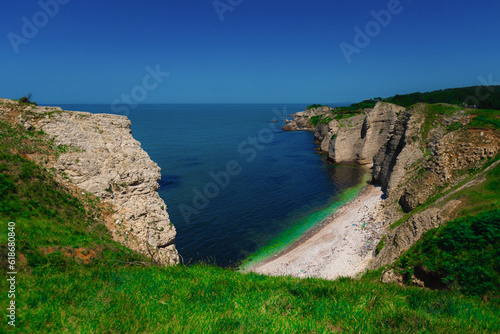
(300, 226)
(233, 181)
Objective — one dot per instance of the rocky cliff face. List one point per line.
(418, 154)
(426, 159)
(354, 139)
(301, 120)
(99, 155)
(400, 151)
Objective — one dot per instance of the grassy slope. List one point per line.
(203, 299)
(462, 268)
(463, 253)
(480, 197)
(117, 292)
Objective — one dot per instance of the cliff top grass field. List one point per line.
(73, 278)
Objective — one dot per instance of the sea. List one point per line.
(238, 188)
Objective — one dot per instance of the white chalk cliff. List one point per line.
(412, 162)
(99, 155)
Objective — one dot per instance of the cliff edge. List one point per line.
(97, 153)
(348, 139)
(435, 152)
(422, 156)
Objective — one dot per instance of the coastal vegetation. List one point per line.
(26, 99)
(356, 108)
(313, 106)
(462, 254)
(483, 97)
(73, 277)
(320, 119)
(474, 97)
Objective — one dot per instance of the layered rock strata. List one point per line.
(417, 154)
(414, 169)
(354, 139)
(99, 155)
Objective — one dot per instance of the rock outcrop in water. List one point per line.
(417, 154)
(354, 139)
(99, 155)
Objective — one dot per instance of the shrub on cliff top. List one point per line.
(312, 106)
(27, 99)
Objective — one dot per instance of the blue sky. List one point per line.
(261, 52)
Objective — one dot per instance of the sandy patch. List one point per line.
(343, 247)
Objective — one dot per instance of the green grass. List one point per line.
(342, 112)
(325, 120)
(481, 118)
(119, 291)
(478, 198)
(204, 299)
(315, 120)
(16, 138)
(434, 113)
(356, 108)
(454, 127)
(481, 197)
(28, 190)
(45, 212)
(486, 118)
(449, 99)
(320, 119)
(463, 254)
(380, 245)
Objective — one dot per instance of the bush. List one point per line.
(312, 106)
(315, 120)
(27, 99)
(463, 254)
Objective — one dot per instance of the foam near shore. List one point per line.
(343, 247)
